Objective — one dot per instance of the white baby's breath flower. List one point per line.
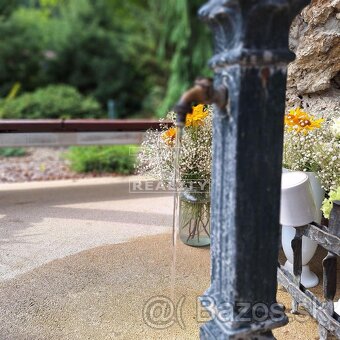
(156, 157)
(335, 128)
(316, 150)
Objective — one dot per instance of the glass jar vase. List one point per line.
(194, 218)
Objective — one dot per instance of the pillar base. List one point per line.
(215, 330)
(228, 323)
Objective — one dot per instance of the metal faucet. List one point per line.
(202, 92)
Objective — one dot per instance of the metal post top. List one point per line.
(251, 32)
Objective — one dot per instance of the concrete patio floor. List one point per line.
(43, 221)
(82, 259)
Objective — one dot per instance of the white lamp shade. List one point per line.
(297, 202)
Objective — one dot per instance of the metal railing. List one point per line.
(327, 237)
(62, 132)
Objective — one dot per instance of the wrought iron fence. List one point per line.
(327, 237)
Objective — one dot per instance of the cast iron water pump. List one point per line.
(250, 64)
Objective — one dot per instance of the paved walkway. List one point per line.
(43, 221)
(68, 272)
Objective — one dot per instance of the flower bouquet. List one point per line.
(312, 144)
(157, 160)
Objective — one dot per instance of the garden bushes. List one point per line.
(105, 50)
(118, 159)
(12, 152)
(54, 101)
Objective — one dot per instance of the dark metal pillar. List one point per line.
(251, 55)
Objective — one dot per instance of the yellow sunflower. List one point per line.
(169, 135)
(197, 116)
(301, 121)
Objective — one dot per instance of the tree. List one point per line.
(141, 53)
(7, 7)
(20, 58)
(92, 62)
(171, 43)
(191, 46)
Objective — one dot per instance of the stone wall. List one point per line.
(314, 77)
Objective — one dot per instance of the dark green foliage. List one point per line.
(20, 58)
(171, 44)
(7, 7)
(12, 152)
(141, 53)
(91, 61)
(103, 159)
(190, 42)
(54, 101)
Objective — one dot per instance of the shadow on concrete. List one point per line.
(20, 209)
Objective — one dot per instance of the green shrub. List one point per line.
(20, 58)
(54, 101)
(119, 159)
(92, 61)
(12, 152)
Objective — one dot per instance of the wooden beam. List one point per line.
(78, 125)
(37, 139)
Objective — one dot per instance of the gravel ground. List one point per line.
(40, 164)
(109, 293)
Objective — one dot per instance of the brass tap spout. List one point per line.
(201, 93)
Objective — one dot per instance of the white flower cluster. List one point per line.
(335, 128)
(317, 150)
(157, 156)
(329, 162)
